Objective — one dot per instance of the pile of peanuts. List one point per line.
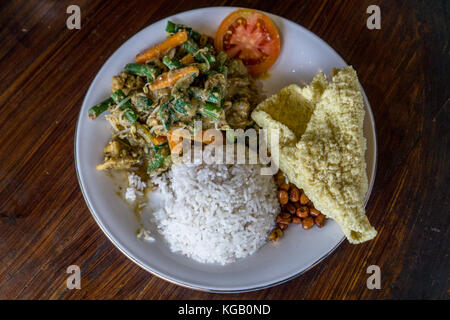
(296, 208)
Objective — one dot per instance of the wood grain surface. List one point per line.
(45, 225)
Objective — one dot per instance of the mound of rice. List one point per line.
(216, 213)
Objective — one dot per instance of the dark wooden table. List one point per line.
(46, 226)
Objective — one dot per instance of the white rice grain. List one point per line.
(135, 187)
(216, 213)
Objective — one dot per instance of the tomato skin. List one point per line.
(257, 57)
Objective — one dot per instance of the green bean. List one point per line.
(98, 109)
(174, 28)
(144, 70)
(131, 114)
(193, 34)
(211, 111)
(202, 56)
(171, 27)
(118, 96)
(211, 59)
(172, 63)
(190, 46)
(214, 96)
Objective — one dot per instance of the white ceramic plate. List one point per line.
(302, 55)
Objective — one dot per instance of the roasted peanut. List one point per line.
(290, 208)
(296, 220)
(284, 217)
(319, 220)
(304, 199)
(307, 223)
(275, 234)
(282, 226)
(283, 197)
(294, 194)
(285, 186)
(296, 208)
(302, 212)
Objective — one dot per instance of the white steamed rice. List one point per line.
(216, 213)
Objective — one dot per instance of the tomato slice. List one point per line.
(251, 36)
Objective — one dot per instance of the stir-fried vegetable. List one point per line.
(172, 85)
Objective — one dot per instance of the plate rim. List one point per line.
(180, 283)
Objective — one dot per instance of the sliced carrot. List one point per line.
(168, 78)
(175, 40)
(159, 140)
(175, 145)
(187, 59)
